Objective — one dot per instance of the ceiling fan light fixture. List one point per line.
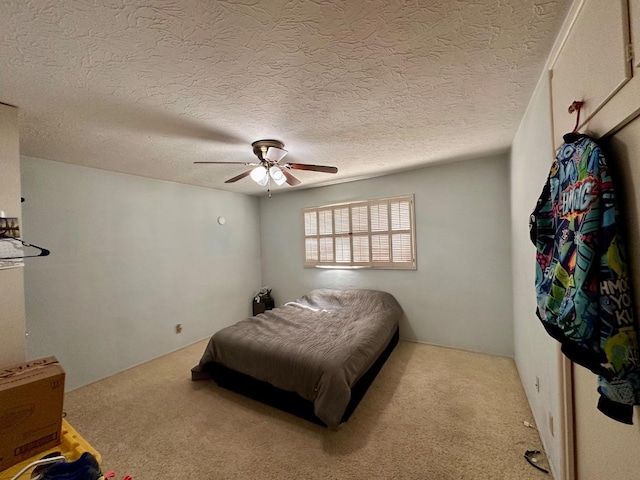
(277, 175)
(260, 175)
(269, 153)
(275, 154)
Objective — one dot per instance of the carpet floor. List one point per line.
(432, 413)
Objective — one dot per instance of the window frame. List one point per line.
(369, 233)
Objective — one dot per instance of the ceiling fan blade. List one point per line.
(239, 177)
(315, 168)
(291, 180)
(228, 163)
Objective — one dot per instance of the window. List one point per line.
(373, 233)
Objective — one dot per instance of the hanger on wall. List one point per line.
(574, 136)
(12, 248)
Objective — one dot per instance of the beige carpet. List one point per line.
(432, 413)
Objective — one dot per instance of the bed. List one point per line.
(314, 357)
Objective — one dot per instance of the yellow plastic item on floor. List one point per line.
(72, 447)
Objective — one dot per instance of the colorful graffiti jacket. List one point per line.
(582, 284)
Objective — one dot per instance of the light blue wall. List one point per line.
(131, 257)
(536, 353)
(460, 295)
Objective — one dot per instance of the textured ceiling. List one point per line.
(368, 86)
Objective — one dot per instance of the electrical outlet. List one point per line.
(179, 328)
(538, 384)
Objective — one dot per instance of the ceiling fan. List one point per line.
(269, 153)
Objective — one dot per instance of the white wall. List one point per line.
(460, 295)
(535, 352)
(12, 315)
(131, 257)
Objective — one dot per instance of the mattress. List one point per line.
(317, 346)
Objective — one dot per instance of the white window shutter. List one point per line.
(311, 223)
(374, 233)
(380, 248)
(311, 249)
(379, 216)
(326, 222)
(361, 248)
(326, 249)
(341, 218)
(400, 215)
(343, 249)
(401, 247)
(360, 218)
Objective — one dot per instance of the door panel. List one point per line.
(606, 448)
(592, 65)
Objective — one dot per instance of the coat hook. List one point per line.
(576, 106)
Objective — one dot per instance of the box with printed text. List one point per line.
(31, 402)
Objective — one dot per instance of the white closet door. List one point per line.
(606, 449)
(593, 63)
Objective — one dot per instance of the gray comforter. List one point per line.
(318, 345)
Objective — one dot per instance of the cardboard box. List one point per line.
(31, 401)
(72, 447)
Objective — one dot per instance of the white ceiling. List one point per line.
(146, 87)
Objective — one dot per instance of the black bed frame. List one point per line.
(291, 402)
